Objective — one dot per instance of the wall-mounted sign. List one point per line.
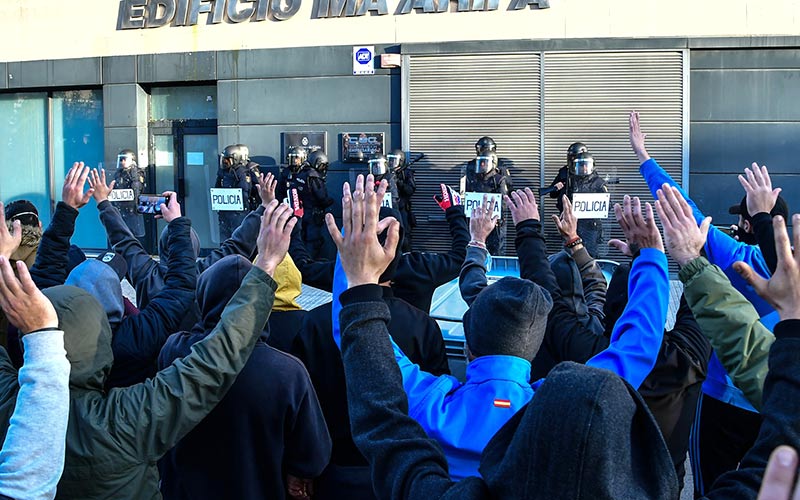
(364, 60)
(590, 205)
(309, 140)
(359, 147)
(139, 14)
(227, 199)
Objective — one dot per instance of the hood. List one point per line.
(594, 438)
(289, 281)
(216, 287)
(163, 246)
(103, 284)
(87, 336)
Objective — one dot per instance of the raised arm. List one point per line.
(181, 395)
(473, 272)
(637, 336)
(50, 267)
(761, 200)
(32, 457)
(530, 242)
(404, 462)
(140, 264)
(139, 339)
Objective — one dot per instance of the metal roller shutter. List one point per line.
(450, 102)
(587, 97)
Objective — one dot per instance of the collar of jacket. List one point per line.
(498, 367)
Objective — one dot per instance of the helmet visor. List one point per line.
(395, 161)
(378, 166)
(125, 161)
(584, 166)
(295, 159)
(483, 164)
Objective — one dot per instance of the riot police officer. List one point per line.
(379, 167)
(296, 160)
(237, 171)
(306, 175)
(487, 173)
(580, 176)
(128, 175)
(406, 185)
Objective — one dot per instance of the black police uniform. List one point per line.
(313, 194)
(496, 181)
(590, 230)
(244, 178)
(406, 186)
(130, 178)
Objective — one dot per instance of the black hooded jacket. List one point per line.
(269, 424)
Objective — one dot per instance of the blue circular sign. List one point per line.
(363, 56)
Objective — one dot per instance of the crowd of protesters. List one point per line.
(214, 383)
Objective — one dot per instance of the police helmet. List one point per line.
(296, 157)
(235, 154)
(583, 164)
(574, 150)
(318, 161)
(397, 160)
(378, 165)
(126, 159)
(485, 145)
(485, 162)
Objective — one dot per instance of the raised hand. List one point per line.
(782, 290)
(274, 236)
(640, 229)
(637, 138)
(72, 193)
(9, 241)
(683, 237)
(25, 306)
(567, 224)
(522, 204)
(266, 188)
(758, 186)
(363, 258)
(481, 222)
(97, 181)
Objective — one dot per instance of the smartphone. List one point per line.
(151, 203)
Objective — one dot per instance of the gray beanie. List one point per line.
(508, 318)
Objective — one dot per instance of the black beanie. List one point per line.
(508, 318)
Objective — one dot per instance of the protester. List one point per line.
(32, 455)
(317, 345)
(781, 401)
(267, 436)
(115, 437)
(136, 339)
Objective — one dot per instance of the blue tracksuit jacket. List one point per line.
(464, 417)
(723, 251)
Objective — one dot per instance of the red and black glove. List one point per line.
(297, 207)
(448, 198)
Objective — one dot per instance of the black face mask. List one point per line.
(741, 235)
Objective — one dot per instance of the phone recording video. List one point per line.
(151, 203)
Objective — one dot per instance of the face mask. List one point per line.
(740, 234)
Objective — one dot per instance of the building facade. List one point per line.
(178, 80)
